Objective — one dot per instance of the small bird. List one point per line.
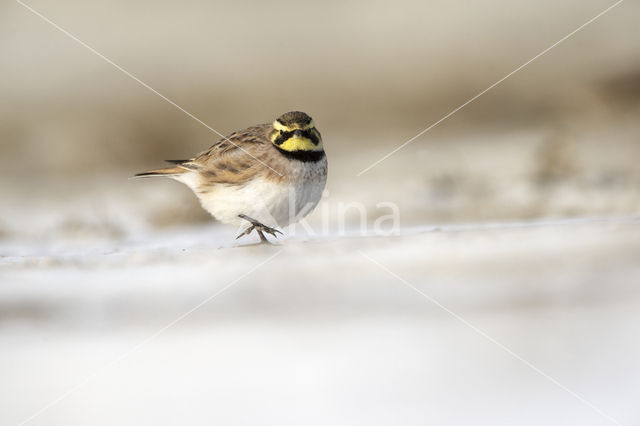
(269, 175)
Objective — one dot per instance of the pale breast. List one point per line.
(273, 202)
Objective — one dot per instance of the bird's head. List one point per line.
(295, 132)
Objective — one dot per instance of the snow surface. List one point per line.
(320, 334)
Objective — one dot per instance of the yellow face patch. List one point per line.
(292, 138)
(295, 143)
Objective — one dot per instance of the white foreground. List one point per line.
(321, 335)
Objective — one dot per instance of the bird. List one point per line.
(269, 175)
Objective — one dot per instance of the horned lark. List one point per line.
(269, 175)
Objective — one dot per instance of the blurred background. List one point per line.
(92, 262)
(559, 138)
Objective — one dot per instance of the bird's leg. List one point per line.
(262, 237)
(259, 228)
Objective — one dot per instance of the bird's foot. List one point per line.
(259, 228)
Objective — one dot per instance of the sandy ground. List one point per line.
(313, 331)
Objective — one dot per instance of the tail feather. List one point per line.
(168, 172)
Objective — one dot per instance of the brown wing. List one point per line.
(235, 159)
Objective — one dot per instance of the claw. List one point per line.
(271, 231)
(246, 231)
(259, 228)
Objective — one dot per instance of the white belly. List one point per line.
(272, 203)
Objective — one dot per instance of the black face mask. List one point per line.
(309, 134)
